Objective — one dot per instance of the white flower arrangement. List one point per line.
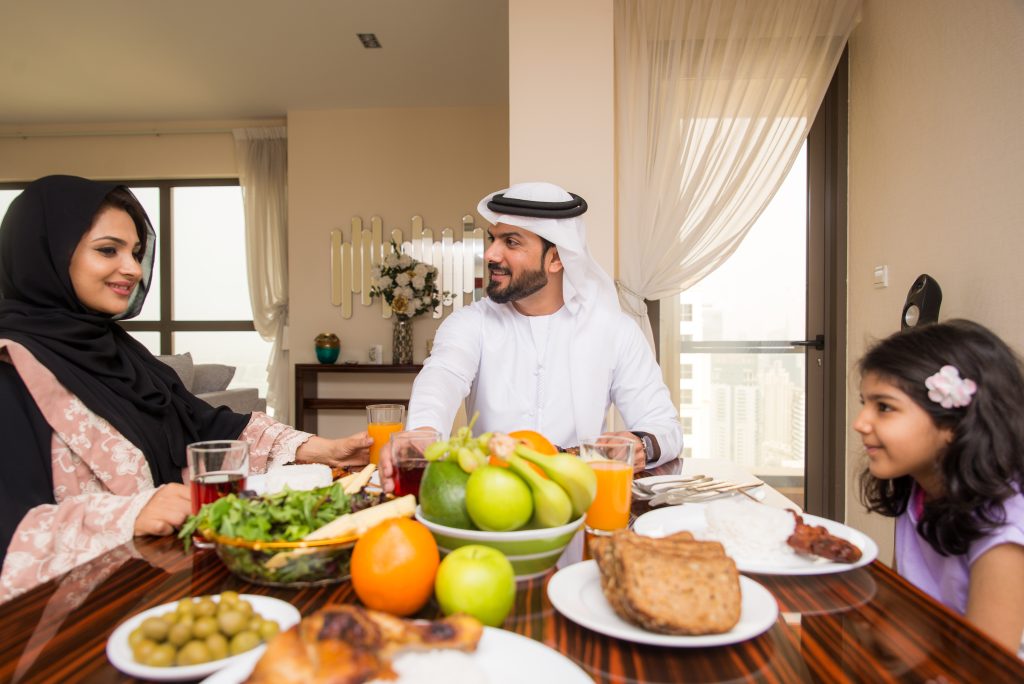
(407, 285)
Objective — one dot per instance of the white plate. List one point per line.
(256, 483)
(690, 517)
(575, 592)
(120, 655)
(505, 657)
(756, 492)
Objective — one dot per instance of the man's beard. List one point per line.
(518, 287)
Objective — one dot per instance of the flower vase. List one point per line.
(402, 343)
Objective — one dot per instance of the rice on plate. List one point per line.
(750, 532)
(435, 667)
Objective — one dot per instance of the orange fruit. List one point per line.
(393, 566)
(535, 441)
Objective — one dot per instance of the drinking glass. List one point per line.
(382, 421)
(611, 459)
(215, 469)
(407, 454)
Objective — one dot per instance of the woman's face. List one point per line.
(105, 266)
(899, 436)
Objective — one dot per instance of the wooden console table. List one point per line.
(308, 403)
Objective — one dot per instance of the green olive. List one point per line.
(269, 629)
(244, 641)
(186, 619)
(135, 637)
(232, 622)
(155, 628)
(193, 653)
(179, 635)
(204, 627)
(205, 606)
(162, 656)
(254, 623)
(218, 645)
(244, 607)
(185, 607)
(229, 597)
(143, 648)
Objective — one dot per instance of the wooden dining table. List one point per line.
(862, 625)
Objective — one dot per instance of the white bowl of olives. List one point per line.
(196, 636)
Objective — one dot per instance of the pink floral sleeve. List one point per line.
(271, 442)
(101, 481)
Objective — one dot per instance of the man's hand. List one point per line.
(165, 512)
(386, 464)
(639, 455)
(336, 453)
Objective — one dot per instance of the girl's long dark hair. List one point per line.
(984, 464)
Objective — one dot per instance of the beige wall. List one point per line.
(395, 163)
(936, 150)
(129, 151)
(562, 106)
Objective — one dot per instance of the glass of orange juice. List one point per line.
(383, 420)
(611, 459)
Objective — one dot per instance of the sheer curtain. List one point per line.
(262, 156)
(714, 100)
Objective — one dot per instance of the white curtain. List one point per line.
(262, 157)
(714, 99)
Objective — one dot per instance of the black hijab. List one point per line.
(89, 353)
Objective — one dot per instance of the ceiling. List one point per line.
(113, 61)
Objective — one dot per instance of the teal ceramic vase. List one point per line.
(328, 346)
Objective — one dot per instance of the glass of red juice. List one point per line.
(215, 469)
(407, 455)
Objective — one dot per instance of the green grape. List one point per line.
(484, 442)
(435, 451)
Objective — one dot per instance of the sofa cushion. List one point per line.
(183, 366)
(211, 377)
(239, 400)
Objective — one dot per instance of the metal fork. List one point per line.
(644, 491)
(678, 496)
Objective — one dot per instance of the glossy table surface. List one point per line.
(862, 625)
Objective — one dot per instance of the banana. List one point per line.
(570, 473)
(551, 504)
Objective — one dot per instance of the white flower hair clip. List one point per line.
(948, 389)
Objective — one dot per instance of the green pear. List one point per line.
(570, 473)
(551, 504)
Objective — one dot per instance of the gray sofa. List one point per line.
(209, 382)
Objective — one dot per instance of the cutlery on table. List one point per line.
(678, 496)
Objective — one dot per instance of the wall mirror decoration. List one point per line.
(460, 263)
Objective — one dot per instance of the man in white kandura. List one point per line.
(549, 349)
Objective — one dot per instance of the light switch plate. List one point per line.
(881, 276)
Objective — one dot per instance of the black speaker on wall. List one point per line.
(922, 305)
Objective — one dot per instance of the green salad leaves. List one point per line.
(284, 516)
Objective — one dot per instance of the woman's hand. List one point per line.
(346, 451)
(165, 512)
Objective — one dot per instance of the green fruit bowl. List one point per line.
(532, 552)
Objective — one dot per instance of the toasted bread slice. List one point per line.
(687, 588)
(673, 585)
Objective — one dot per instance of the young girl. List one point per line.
(943, 426)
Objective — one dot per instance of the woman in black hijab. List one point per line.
(76, 256)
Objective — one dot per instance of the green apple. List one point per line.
(476, 580)
(497, 499)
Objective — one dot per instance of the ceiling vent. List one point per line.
(369, 40)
